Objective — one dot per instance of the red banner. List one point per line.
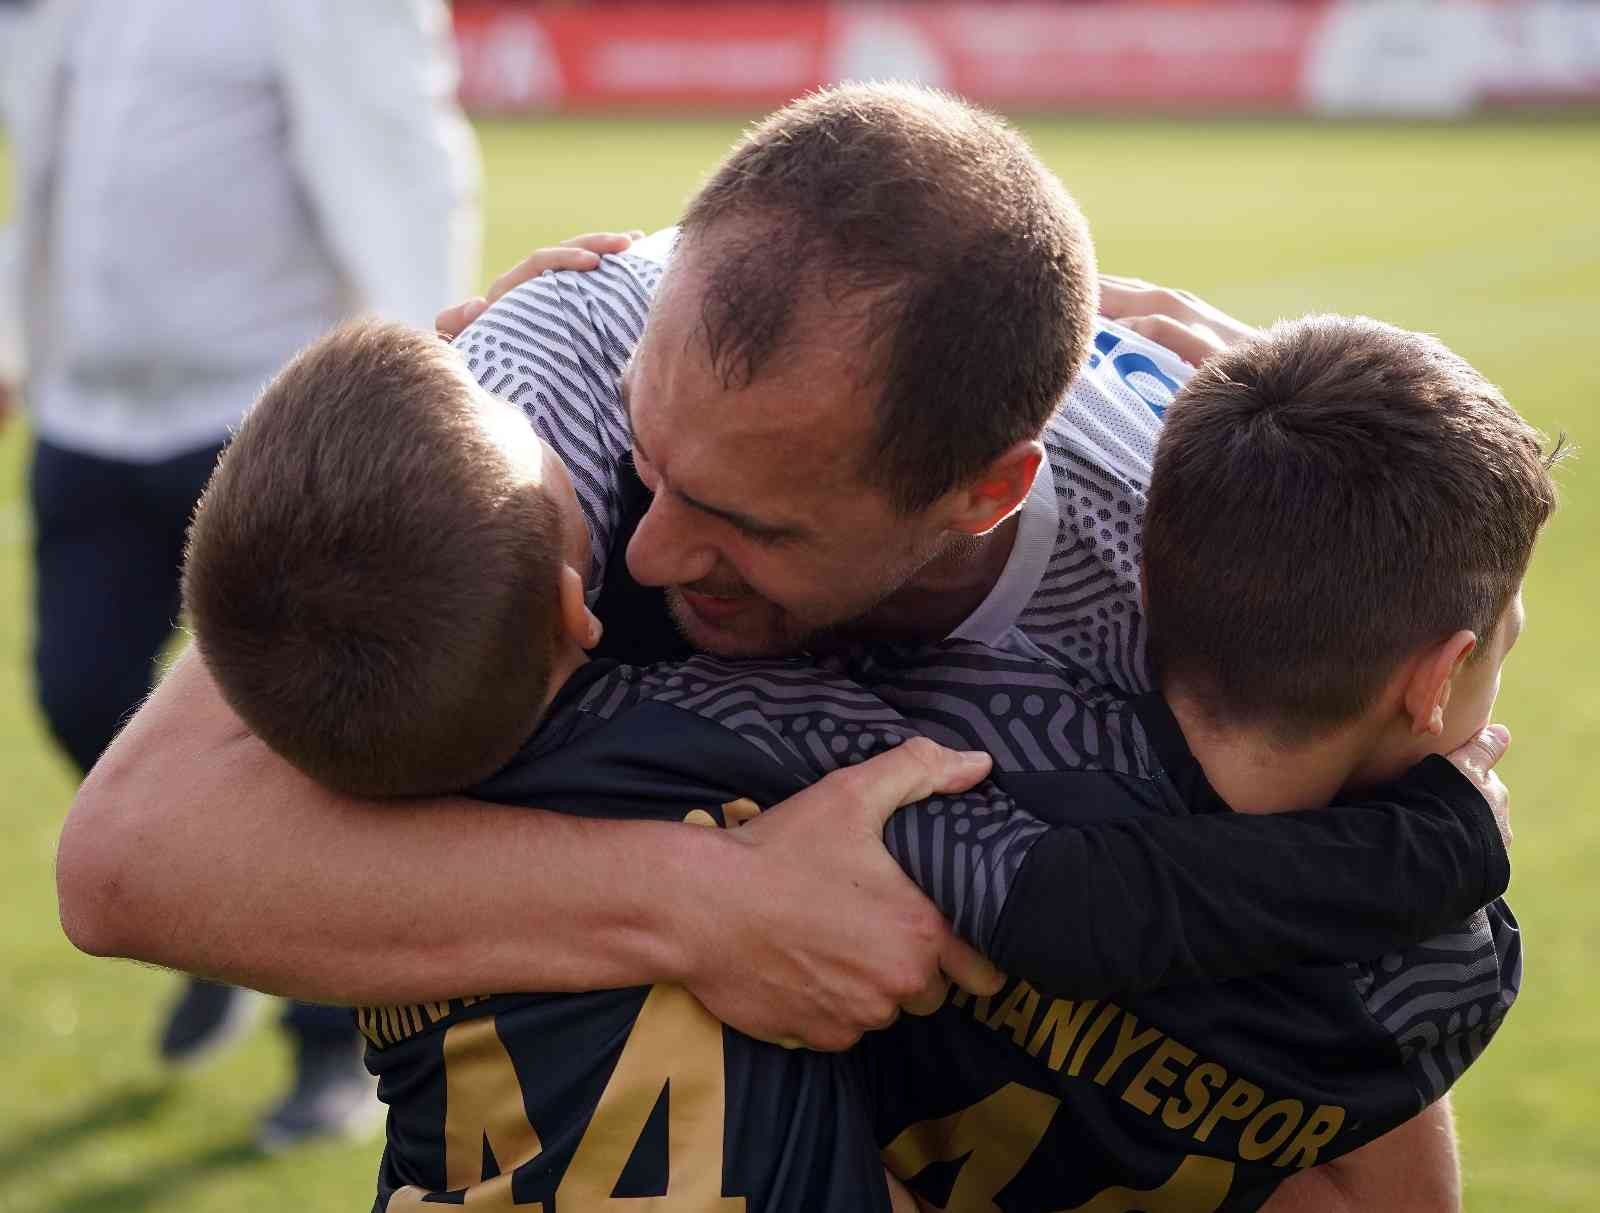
(1322, 55)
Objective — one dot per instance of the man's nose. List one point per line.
(667, 547)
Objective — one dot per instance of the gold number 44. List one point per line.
(675, 1044)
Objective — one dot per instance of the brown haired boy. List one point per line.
(1341, 514)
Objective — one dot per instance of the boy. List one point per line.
(1340, 518)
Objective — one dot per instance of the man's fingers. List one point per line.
(970, 969)
(912, 771)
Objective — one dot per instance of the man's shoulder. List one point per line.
(808, 718)
(595, 314)
(1034, 717)
(1100, 443)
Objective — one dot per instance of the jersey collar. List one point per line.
(1037, 525)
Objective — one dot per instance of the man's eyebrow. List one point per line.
(753, 526)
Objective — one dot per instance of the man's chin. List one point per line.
(752, 632)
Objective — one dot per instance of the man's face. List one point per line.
(762, 527)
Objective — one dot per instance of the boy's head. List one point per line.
(378, 575)
(1340, 517)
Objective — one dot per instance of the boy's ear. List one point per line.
(995, 493)
(578, 622)
(1427, 691)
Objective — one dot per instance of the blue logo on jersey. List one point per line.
(1132, 363)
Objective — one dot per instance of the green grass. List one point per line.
(1482, 234)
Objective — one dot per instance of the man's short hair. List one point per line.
(970, 264)
(1327, 500)
(369, 580)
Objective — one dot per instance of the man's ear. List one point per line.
(577, 620)
(1427, 690)
(996, 493)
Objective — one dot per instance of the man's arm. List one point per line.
(1411, 1169)
(192, 845)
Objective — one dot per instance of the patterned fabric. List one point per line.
(556, 347)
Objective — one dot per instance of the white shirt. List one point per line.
(204, 188)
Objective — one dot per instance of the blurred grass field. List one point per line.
(1483, 234)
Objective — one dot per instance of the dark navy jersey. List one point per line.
(572, 1098)
(569, 1101)
(1197, 1097)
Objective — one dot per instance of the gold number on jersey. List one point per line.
(675, 1045)
(1199, 1185)
(483, 1103)
(997, 1134)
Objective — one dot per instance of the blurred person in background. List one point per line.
(201, 190)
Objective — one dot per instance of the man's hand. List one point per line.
(828, 938)
(579, 253)
(1476, 760)
(1188, 326)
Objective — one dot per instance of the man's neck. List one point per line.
(1254, 772)
(946, 590)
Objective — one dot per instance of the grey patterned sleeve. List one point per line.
(963, 850)
(1442, 1000)
(556, 346)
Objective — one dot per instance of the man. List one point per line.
(787, 500)
(200, 190)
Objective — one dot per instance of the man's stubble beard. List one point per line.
(865, 627)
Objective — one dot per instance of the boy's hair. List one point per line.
(1327, 500)
(370, 581)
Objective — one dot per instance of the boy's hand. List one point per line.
(1476, 760)
(579, 253)
(1185, 324)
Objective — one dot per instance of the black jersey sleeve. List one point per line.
(1138, 903)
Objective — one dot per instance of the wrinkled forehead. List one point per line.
(806, 418)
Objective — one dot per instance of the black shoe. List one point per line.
(333, 1096)
(205, 1017)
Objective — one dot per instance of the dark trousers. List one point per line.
(108, 548)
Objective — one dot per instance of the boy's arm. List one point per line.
(192, 845)
(1143, 902)
(1410, 1169)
